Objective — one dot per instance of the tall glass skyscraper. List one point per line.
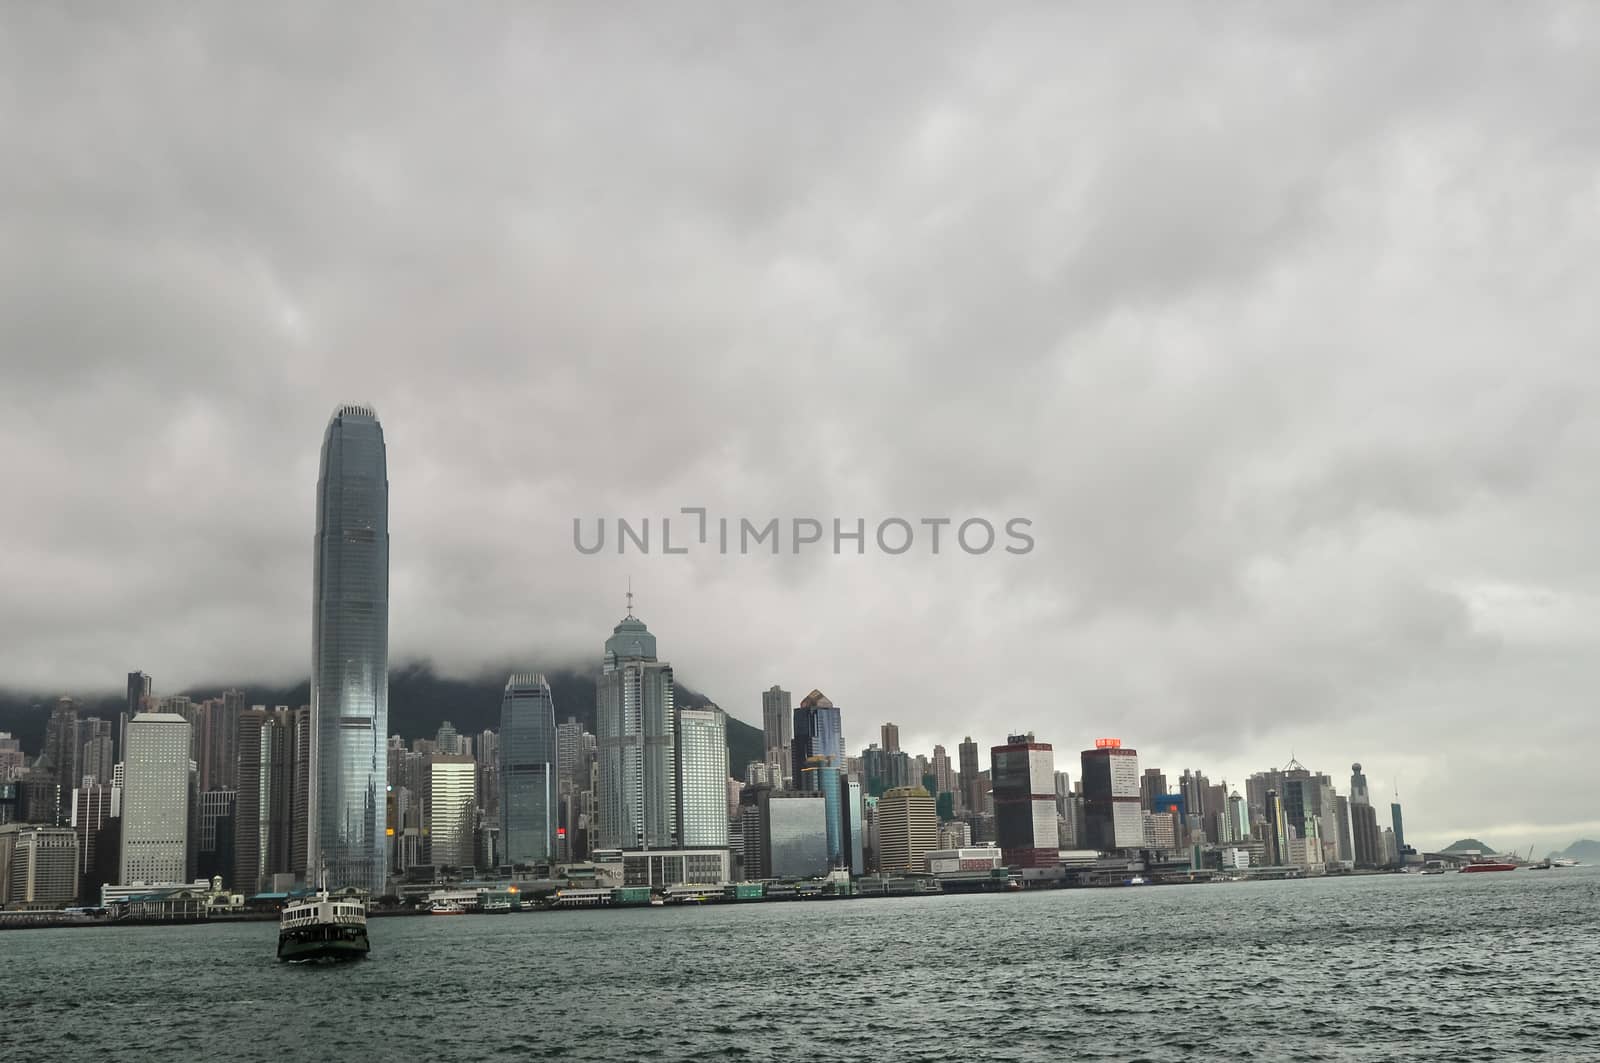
(817, 749)
(350, 653)
(637, 804)
(527, 771)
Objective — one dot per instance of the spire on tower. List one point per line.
(630, 596)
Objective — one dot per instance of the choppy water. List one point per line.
(1378, 968)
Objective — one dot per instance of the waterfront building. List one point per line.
(350, 653)
(452, 809)
(666, 867)
(777, 724)
(908, 828)
(792, 836)
(818, 763)
(702, 783)
(527, 745)
(855, 824)
(637, 801)
(959, 859)
(155, 799)
(1024, 793)
(1113, 817)
(38, 866)
(821, 776)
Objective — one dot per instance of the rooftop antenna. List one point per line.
(630, 597)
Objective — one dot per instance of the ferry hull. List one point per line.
(324, 943)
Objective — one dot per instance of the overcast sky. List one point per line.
(1281, 330)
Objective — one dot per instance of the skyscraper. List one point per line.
(452, 805)
(819, 764)
(971, 785)
(1152, 784)
(818, 732)
(1358, 786)
(637, 802)
(155, 799)
(890, 733)
(777, 723)
(1022, 773)
(139, 691)
(1399, 833)
(528, 768)
(64, 750)
(703, 778)
(350, 652)
(1113, 818)
(908, 829)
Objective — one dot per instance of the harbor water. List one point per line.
(1395, 967)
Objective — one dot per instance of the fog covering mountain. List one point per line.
(419, 700)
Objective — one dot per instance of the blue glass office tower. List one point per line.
(350, 654)
(817, 752)
(527, 771)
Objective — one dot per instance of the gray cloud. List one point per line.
(1279, 329)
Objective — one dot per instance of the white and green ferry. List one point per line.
(323, 927)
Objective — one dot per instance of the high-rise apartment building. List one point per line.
(350, 653)
(529, 806)
(702, 777)
(155, 799)
(1023, 775)
(908, 829)
(1113, 816)
(637, 802)
(452, 809)
(890, 734)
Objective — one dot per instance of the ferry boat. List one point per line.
(447, 908)
(1487, 865)
(320, 927)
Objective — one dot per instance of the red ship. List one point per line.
(1488, 865)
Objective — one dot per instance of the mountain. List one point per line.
(1587, 850)
(419, 701)
(1470, 843)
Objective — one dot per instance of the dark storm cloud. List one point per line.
(1279, 328)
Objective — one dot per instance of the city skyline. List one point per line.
(1290, 372)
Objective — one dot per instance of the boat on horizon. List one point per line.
(442, 907)
(1488, 865)
(323, 927)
